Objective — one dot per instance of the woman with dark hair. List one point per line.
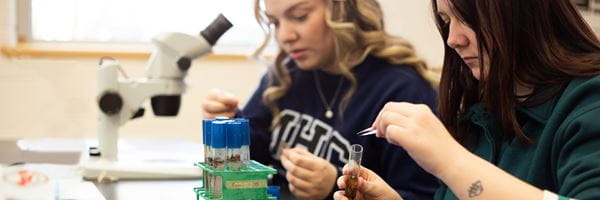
(519, 106)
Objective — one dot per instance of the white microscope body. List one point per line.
(120, 100)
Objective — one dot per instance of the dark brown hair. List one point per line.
(539, 44)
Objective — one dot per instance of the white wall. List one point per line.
(413, 20)
(8, 22)
(56, 97)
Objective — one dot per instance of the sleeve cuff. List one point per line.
(552, 196)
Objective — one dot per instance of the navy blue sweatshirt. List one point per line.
(303, 122)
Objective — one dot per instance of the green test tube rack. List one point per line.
(247, 183)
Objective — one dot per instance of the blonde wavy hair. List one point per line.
(358, 31)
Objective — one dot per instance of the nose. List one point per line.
(456, 36)
(286, 33)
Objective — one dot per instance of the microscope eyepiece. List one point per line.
(216, 29)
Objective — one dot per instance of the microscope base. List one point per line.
(145, 159)
(99, 169)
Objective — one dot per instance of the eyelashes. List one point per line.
(297, 19)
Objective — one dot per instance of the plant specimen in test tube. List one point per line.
(354, 168)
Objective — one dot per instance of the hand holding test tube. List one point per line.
(371, 185)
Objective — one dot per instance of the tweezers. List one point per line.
(368, 131)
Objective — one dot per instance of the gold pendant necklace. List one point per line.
(328, 110)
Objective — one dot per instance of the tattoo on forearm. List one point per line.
(476, 189)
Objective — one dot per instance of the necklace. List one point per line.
(329, 111)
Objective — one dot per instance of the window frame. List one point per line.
(27, 46)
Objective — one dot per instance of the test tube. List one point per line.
(206, 139)
(219, 155)
(245, 149)
(354, 168)
(234, 143)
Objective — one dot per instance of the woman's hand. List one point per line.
(415, 128)
(370, 186)
(219, 103)
(309, 176)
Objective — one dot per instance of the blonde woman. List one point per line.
(336, 69)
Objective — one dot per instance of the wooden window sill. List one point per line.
(93, 50)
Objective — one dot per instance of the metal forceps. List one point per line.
(368, 131)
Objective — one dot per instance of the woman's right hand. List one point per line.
(370, 186)
(219, 103)
(416, 129)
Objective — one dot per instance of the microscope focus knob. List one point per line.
(110, 103)
(184, 63)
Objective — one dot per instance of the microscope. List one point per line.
(119, 100)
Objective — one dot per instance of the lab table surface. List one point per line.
(12, 154)
(123, 189)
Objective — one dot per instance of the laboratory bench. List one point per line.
(12, 154)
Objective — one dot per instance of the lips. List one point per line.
(298, 53)
(470, 59)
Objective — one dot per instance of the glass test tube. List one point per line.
(234, 144)
(354, 167)
(245, 154)
(206, 139)
(219, 155)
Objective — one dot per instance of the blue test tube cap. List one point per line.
(245, 132)
(206, 129)
(273, 191)
(218, 134)
(234, 134)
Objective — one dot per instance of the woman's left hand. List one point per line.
(309, 176)
(370, 186)
(415, 128)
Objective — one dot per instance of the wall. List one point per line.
(8, 22)
(413, 20)
(56, 97)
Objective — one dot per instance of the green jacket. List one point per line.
(565, 157)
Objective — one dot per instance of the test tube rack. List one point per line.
(247, 183)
